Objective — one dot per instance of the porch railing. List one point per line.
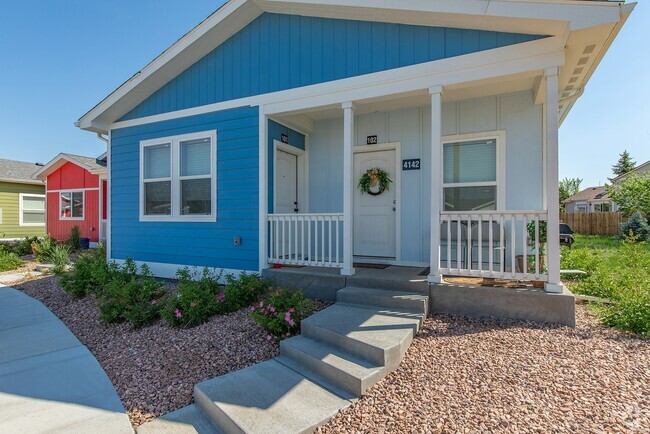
(306, 239)
(493, 244)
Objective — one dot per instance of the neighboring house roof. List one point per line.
(590, 194)
(571, 24)
(21, 172)
(641, 168)
(88, 163)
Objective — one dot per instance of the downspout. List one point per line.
(102, 138)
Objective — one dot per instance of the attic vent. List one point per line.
(589, 49)
(573, 79)
(570, 87)
(583, 61)
(600, 195)
(565, 95)
(578, 71)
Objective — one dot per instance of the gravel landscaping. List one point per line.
(155, 368)
(490, 375)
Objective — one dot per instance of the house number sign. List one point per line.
(371, 140)
(412, 164)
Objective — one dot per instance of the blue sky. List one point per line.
(62, 57)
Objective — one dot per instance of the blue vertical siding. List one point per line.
(275, 133)
(278, 52)
(237, 195)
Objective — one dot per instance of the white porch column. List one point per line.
(348, 186)
(553, 197)
(263, 190)
(436, 183)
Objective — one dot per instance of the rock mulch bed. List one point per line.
(154, 369)
(489, 375)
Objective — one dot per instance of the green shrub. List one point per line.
(9, 260)
(242, 291)
(60, 258)
(137, 298)
(197, 298)
(90, 273)
(43, 249)
(630, 308)
(636, 226)
(281, 312)
(74, 239)
(22, 247)
(597, 281)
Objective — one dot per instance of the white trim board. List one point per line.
(549, 17)
(73, 189)
(525, 58)
(168, 271)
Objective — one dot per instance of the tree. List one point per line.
(568, 187)
(632, 194)
(624, 165)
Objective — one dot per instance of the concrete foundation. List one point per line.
(526, 304)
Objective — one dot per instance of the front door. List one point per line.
(375, 217)
(286, 196)
(286, 183)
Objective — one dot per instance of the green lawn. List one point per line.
(616, 270)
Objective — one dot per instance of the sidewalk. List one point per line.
(49, 381)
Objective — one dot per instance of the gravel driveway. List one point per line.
(488, 375)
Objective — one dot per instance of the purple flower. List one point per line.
(177, 313)
(269, 337)
(252, 308)
(193, 304)
(272, 309)
(288, 334)
(292, 310)
(292, 322)
(153, 301)
(261, 304)
(220, 298)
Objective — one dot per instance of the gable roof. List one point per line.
(88, 163)
(645, 167)
(541, 17)
(589, 194)
(21, 172)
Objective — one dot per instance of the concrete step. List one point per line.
(186, 420)
(379, 335)
(384, 298)
(336, 367)
(266, 398)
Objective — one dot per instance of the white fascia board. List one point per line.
(548, 17)
(514, 59)
(22, 181)
(55, 163)
(213, 31)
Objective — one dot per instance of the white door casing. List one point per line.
(375, 217)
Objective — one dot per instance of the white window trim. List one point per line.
(20, 210)
(500, 183)
(175, 178)
(83, 205)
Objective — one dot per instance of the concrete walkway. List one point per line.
(49, 381)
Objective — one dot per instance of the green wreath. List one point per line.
(375, 181)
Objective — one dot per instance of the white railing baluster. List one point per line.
(537, 253)
(524, 248)
(479, 244)
(513, 237)
(491, 246)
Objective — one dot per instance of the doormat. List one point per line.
(425, 272)
(374, 266)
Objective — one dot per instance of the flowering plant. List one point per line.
(281, 312)
(197, 298)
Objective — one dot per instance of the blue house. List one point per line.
(328, 133)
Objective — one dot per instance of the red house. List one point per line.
(74, 186)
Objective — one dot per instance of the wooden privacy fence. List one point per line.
(593, 223)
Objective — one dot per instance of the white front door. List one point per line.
(375, 217)
(286, 196)
(286, 183)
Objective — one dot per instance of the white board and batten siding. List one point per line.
(516, 114)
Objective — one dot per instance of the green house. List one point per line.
(22, 200)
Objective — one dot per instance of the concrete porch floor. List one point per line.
(516, 303)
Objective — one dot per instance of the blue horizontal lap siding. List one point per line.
(278, 52)
(186, 243)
